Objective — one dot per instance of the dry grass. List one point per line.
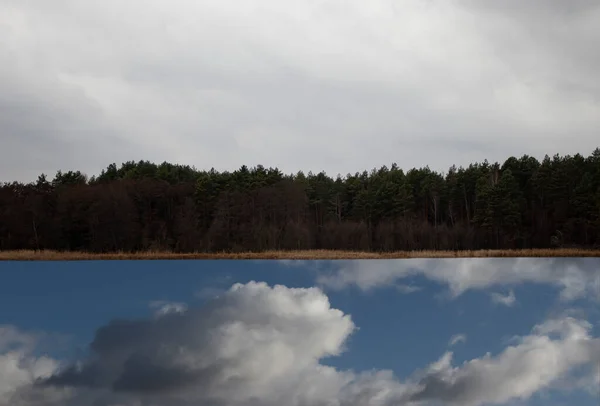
(30, 255)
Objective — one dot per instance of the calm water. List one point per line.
(405, 332)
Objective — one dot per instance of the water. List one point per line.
(390, 332)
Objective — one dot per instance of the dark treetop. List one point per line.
(522, 203)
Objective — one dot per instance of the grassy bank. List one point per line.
(26, 255)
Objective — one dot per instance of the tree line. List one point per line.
(522, 203)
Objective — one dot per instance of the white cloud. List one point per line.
(253, 344)
(538, 361)
(18, 366)
(508, 300)
(576, 278)
(260, 346)
(213, 82)
(164, 307)
(458, 338)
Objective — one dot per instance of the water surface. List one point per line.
(386, 332)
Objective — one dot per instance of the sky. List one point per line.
(339, 86)
(418, 332)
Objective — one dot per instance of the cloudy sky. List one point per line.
(468, 332)
(330, 85)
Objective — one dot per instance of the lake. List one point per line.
(482, 331)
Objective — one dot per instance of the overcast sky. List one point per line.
(334, 85)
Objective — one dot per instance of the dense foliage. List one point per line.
(522, 203)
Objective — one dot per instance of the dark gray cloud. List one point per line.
(42, 119)
(141, 356)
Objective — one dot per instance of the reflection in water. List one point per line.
(578, 277)
(268, 342)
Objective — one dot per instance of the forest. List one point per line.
(141, 206)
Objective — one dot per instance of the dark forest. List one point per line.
(522, 203)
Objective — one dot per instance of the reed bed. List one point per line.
(44, 255)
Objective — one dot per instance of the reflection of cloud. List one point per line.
(592, 382)
(508, 300)
(459, 338)
(552, 350)
(163, 307)
(11, 337)
(576, 277)
(312, 265)
(18, 366)
(261, 346)
(209, 293)
(254, 342)
(406, 289)
(293, 263)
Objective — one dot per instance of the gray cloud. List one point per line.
(43, 119)
(213, 83)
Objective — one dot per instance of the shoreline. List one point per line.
(47, 255)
